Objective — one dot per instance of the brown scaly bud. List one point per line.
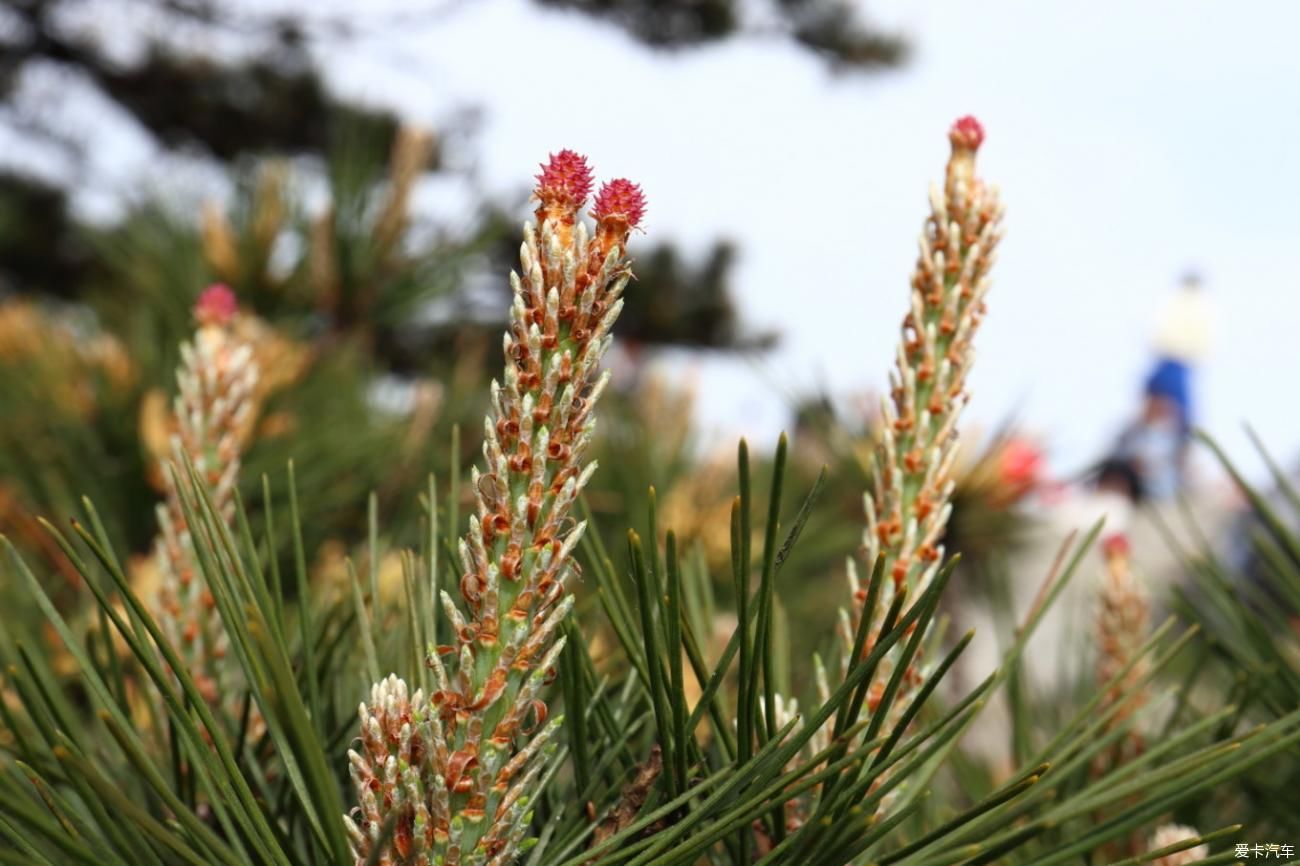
(401, 770)
(217, 381)
(1123, 625)
(412, 150)
(516, 558)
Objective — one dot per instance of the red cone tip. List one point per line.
(1115, 545)
(620, 198)
(216, 305)
(565, 177)
(967, 132)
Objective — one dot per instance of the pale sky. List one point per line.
(1130, 141)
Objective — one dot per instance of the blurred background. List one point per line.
(358, 172)
(1133, 145)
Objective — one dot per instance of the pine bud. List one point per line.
(216, 399)
(487, 721)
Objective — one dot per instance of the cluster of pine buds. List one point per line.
(452, 773)
(1123, 625)
(908, 508)
(215, 403)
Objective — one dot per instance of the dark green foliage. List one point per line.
(194, 99)
(39, 244)
(1247, 606)
(275, 102)
(833, 29)
(680, 305)
(90, 775)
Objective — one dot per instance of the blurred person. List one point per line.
(1145, 466)
(1154, 446)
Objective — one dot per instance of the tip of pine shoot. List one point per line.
(620, 199)
(216, 305)
(966, 132)
(565, 179)
(1115, 544)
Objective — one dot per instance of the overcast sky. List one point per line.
(1131, 141)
